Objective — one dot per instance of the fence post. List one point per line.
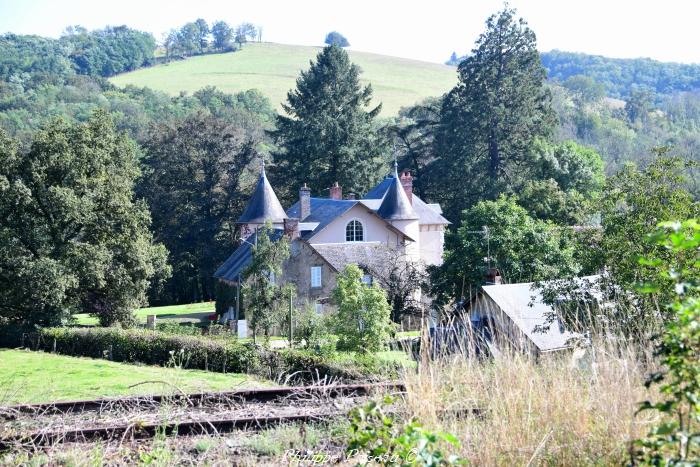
(54, 345)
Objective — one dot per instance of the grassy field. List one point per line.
(193, 312)
(38, 377)
(274, 68)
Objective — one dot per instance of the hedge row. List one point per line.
(217, 354)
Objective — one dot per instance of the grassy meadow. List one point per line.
(274, 68)
(27, 377)
(192, 312)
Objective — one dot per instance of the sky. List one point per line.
(428, 30)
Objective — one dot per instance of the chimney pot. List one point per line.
(336, 191)
(304, 202)
(407, 184)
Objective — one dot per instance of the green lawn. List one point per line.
(193, 312)
(274, 68)
(27, 377)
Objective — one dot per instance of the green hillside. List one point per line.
(273, 69)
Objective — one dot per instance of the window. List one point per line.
(315, 276)
(319, 308)
(271, 277)
(354, 232)
(367, 279)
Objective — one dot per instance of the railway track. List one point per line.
(179, 415)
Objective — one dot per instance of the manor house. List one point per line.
(388, 224)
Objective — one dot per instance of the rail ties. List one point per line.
(244, 395)
(312, 408)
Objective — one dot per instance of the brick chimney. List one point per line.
(291, 228)
(407, 184)
(304, 202)
(493, 277)
(336, 191)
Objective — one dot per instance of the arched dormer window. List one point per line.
(354, 232)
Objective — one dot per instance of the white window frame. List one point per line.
(316, 276)
(354, 233)
(319, 307)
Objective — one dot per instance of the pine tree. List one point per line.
(328, 134)
(491, 117)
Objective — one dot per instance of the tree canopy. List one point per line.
(74, 237)
(491, 118)
(362, 321)
(502, 235)
(336, 38)
(195, 178)
(329, 133)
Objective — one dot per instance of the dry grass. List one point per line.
(535, 413)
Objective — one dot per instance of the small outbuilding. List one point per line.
(516, 316)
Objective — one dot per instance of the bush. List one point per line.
(152, 348)
(213, 353)
(363, 319)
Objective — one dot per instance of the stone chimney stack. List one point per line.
(336, 191)
(407, 184)
(493, 277)
(291, 228)
(304, 202)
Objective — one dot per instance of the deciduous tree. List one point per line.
(362, 321)
(73, 238)
(194, 182)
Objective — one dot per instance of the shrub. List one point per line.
(363, 321)
(213, 353)
(385, 441)
(152, 348)
(675, 440)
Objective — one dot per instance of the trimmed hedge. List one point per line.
(219, 354)
(151, 348)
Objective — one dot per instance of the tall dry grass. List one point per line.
(545, 412)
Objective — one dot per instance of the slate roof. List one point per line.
(323, 212)
(395, 205)
(241, 258)
(427, 213)
(263, 205)
(379, 191)
(524, 306)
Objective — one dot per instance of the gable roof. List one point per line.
(365, 255)
(524, 306)
(263, 205)
(241, 257)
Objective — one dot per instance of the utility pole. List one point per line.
(291, 322)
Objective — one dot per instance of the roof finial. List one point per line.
(262, 165)
(396, 164)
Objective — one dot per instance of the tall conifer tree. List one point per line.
(328, 134)
(491, 117)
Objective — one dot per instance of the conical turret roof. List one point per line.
(263, 205)
(395, 205)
